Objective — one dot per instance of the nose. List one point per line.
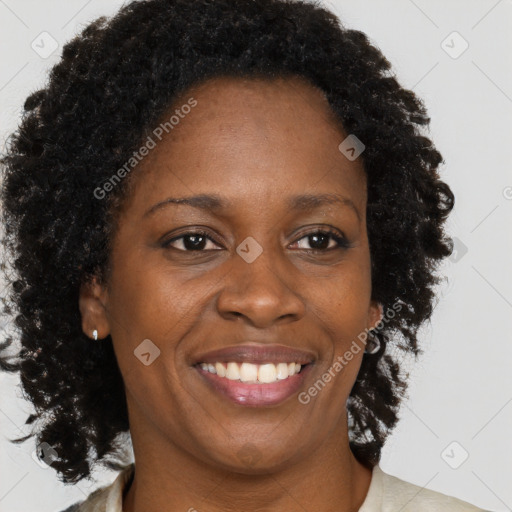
(262, 292)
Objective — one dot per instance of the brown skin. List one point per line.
(255, 143)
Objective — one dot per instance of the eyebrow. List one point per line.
(214, 203)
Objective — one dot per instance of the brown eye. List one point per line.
(191, 241)
(322, 240)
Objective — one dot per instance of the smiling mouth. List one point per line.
(253, 373)
(273, 389)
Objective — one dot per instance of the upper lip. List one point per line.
(256, 353)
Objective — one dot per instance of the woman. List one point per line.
(222, 215)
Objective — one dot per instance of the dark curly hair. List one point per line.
(113, 84)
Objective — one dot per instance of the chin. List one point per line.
(249, 459)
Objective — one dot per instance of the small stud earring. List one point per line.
(95, 334)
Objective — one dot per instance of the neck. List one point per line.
(169, 479)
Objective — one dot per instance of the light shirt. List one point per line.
(386, 493)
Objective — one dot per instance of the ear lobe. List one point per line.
(91, 302)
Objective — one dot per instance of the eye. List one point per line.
(198, 241)
(191, 241)
(319, 240)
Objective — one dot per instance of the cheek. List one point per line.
(341, 304)
(139, 313)
(151, 310)
(145, 300)
(343, 298)
(149, 315)
(343, 310)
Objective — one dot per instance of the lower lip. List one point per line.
(256, 394)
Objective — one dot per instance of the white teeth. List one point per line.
(267, 373)
(248, 372)
(253, 373)
(232, 372)
(282, 371)
(221, 371)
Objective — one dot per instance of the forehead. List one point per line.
(250, 135)
(264, 100)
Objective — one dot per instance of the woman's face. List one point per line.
(261, 275)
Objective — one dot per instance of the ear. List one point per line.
(92, 304)
(375, 314)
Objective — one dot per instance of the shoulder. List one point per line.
(92, 502)
(107, 498)
(73, 508)
(413, 498)
(96, 501)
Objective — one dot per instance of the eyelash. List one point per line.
(340, 240)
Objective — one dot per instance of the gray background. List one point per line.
(461, 389)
